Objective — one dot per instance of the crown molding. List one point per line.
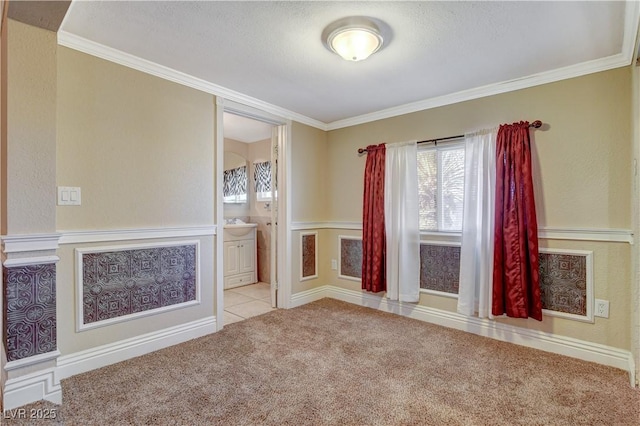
(572, 71)
(622, 59)
(632, 17)
(98, 50)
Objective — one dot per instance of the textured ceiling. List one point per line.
(43, 14)
(272, 51)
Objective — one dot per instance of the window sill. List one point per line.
(441, 234)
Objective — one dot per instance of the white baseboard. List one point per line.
(101, 356)
(308, 296)
(548, 342)
(32, 387)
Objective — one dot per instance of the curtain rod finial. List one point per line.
(536, 124)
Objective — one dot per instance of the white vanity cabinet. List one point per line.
(240, 259)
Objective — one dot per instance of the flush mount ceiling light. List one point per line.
(354, 38)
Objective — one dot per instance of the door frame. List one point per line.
(283, 255)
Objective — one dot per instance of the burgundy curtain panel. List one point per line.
(516, 275)
(373, 232)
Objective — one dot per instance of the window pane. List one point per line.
(452, 175)
(262, 176)
(427, 189)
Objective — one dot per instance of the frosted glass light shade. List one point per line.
(355, 44)
(354, 38)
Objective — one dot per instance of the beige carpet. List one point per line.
(333, 363)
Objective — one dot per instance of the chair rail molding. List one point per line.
(614, 235)
(20, 243)
(104, 235)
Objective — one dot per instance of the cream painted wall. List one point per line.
(583, 175)
(581, 157)
(31, 130)
(635, 317)
(3, 174)
(141, 148)
(310, 167)
(238, 147)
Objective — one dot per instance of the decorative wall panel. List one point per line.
(123, 282)
(439, 268)
(350, 258)
(309, 251)
(566, 276)
(30, 307)
(563, 283)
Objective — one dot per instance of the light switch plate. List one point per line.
(69, 196)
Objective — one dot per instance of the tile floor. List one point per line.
(247, 301)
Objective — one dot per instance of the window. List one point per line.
(262, 178)
(234, 185)
(441, 187)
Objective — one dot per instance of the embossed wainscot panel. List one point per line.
(350, 258)
(30, 307)
(309, 247)
(563, 283)
(122, 282)
(440, 268)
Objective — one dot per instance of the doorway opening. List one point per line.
(248, 147)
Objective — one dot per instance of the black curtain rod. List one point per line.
(536, 125)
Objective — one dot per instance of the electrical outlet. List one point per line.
(602, 308)
(334, 264)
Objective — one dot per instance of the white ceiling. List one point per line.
(245, 129)
(270, 54)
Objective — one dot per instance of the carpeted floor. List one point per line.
(334, 363)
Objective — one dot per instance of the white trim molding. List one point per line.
(572, 71)
(80, 252)
(299, 226)
(30, 388)
(99, 236)
(29, 242)
(32, 360)
(28, 261)
(614, 235)
(548, 342)
(101, 356)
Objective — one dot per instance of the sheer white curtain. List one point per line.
(402, 222)
(476, 254)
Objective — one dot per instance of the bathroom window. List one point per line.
(262, 178)
(234, 189)
(441, 187)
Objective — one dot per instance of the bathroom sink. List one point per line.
(239, 229)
